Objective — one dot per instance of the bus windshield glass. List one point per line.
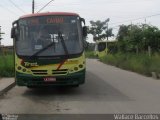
(36, 33)
(101, 46)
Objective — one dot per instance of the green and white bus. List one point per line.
(49, 49)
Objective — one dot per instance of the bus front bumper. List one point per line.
(70, 79)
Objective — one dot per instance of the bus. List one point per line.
(49, 49)
(100, 48)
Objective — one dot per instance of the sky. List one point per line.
(119, 12)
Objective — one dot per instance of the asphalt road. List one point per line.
(107, 90)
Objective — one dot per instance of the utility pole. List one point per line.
(33, 6)
(107, 31)
(145, 21)
(107, 27)
(1, 36)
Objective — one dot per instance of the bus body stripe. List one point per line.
(61, 64)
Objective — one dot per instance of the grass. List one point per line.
(89, 54)
(141, 63)
(6, 65)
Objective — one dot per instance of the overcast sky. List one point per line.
(119, 11)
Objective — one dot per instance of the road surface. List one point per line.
(107, 90)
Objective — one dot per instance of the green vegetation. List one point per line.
(89, 54)
(99, 30)
(138, 38)
(140, 63)
(137, 46)
(6, 66)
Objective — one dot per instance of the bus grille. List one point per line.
(57, 72)
(54, 72)
(39, 72)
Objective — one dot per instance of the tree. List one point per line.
(123, 31)
(109, 33)
(138, 38)
(122, 37)
(151, 37)
(99, 30)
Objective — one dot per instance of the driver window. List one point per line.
(43, 38)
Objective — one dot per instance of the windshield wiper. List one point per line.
(53, 43)
(63, 43)
(41, 50)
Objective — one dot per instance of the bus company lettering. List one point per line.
(55, 20)
(27, 64)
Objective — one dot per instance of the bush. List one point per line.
(89, 54)
(141, 63)
(6, 66)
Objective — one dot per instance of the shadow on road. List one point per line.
(95, 89)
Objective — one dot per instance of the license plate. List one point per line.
(49, 79)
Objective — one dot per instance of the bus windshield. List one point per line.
(37, 33)
(101, 46)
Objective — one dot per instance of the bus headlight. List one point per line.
(75, 68)
(19, 67)
(80, 66)
(24, 70)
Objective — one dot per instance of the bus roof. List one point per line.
(49, 13)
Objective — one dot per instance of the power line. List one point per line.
(136, 19)
(16, 6)
(117, 27)
(104, 1)
(45, 6)
(10, 11)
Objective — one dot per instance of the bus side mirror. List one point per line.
(13, 33)
(85, 31)
(83, 20)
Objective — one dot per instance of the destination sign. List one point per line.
(49, 20)
(46, 20)
(54, 20)
(34, 21)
